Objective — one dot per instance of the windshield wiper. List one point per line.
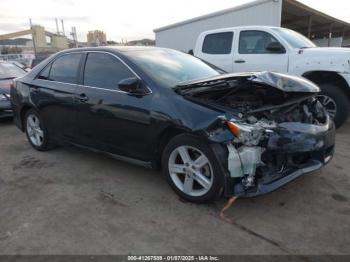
(7, 78)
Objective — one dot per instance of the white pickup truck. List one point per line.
(265, 48)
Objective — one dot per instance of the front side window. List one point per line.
(104, 71)
(218, 43)
(65, 68)
(255, 42)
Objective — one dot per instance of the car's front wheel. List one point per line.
(36, 131)
(192, 169)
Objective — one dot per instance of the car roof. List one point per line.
(116, 49)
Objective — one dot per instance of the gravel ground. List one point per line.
(70, 201)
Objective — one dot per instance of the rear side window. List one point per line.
(218, 43)
(255, 42)
(45, 74)
(65, 68)
(104, 71)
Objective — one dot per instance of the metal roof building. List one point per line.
(322, 28)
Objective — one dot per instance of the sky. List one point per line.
(127, 19)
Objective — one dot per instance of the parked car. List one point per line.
(8, 71)
(260, 48)
(238, 134)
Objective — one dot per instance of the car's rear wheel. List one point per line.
(336, 102)
(192, 169)
(36, 132)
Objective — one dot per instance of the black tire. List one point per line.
(341, 100)
(218, 177)
(45, 145)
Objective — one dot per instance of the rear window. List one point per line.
(218, 43)
(8, 70)
(65, 68)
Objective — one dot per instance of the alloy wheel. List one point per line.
(190, 171)
(34, 131)
(329, 104)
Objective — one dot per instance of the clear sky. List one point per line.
(125, 19)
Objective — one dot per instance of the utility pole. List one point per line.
(57, 30)
(74, 36)
(33, 36)
(63, 27)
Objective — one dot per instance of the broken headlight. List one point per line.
(249, 135)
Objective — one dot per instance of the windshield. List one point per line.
(8, 70)
(293, 38)
(170, 67)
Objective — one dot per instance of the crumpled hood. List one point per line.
(283, 82)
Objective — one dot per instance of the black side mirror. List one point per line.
(131, 85)
(276, 48)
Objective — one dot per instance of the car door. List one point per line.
(253, 55)
(109, 119)
(217, 49)
(53, 91)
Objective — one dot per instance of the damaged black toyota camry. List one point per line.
(212, 134)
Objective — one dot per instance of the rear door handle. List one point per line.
(35, 89)
(240, 61)
(83, 98)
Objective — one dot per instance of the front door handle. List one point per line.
(240, 61)
(83, 98)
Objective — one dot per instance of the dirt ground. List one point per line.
(70, 201)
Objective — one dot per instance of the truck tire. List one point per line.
(336, 102)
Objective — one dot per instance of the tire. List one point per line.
(43, 143)
(207, 170)
(341, 100)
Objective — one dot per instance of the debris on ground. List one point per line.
(226, 207)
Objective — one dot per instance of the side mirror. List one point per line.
(131, 85)
(276, 48)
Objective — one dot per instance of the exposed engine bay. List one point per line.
(278, 125)
(256, 100)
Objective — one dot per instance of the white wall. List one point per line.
(183, 37)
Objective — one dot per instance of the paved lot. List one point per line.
(69, 201)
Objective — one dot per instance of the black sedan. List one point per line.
(212, 134)
(8, 71)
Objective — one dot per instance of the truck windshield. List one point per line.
(170, 67)
(295, 39)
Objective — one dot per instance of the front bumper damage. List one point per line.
(294, 149)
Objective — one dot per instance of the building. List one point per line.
(40, 39)
(323, 29)
(96, 38)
